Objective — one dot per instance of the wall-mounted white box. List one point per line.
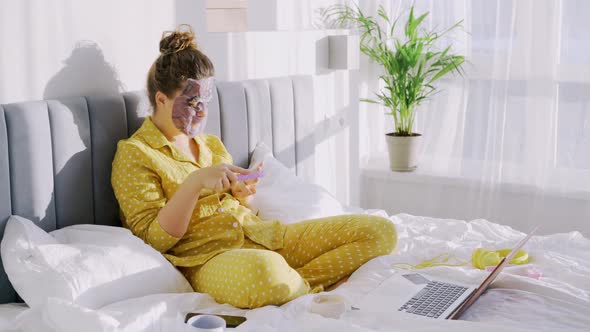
(227, 15)
(343, 52)
(217, 4)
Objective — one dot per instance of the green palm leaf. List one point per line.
(412, 65)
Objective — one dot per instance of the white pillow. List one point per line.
(8, 315)
(281, 195)
(90, 265)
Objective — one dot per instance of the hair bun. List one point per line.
(178, 40)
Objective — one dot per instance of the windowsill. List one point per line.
(471, 174)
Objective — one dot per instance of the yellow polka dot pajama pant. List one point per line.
(316, 254)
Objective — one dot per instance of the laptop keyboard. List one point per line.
(433, 299)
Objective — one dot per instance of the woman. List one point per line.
(178, 191)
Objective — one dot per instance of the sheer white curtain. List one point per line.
(522, 111)
(511, 137)
(517, 122)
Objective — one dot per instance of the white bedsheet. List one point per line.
(560, 301)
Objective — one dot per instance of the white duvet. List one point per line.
(559, 301)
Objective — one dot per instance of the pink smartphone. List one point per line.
(251, 176)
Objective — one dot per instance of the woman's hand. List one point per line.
(243, 189)
(175, 216)
(219, 177)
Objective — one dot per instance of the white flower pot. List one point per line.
(403, 152)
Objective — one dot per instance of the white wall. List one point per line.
(68, 48)
(446, 196)
(64, 48)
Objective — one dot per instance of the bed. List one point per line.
(55, 161)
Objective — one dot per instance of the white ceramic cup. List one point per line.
(207, 323)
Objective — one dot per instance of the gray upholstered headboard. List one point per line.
(55, 155)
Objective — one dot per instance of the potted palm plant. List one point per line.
(411, 66)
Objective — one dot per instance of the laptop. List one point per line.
(418, 294)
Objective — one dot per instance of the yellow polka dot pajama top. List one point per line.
(227, 251)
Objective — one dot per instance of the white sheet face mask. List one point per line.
(189, 112)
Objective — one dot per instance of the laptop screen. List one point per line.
(492, 276)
